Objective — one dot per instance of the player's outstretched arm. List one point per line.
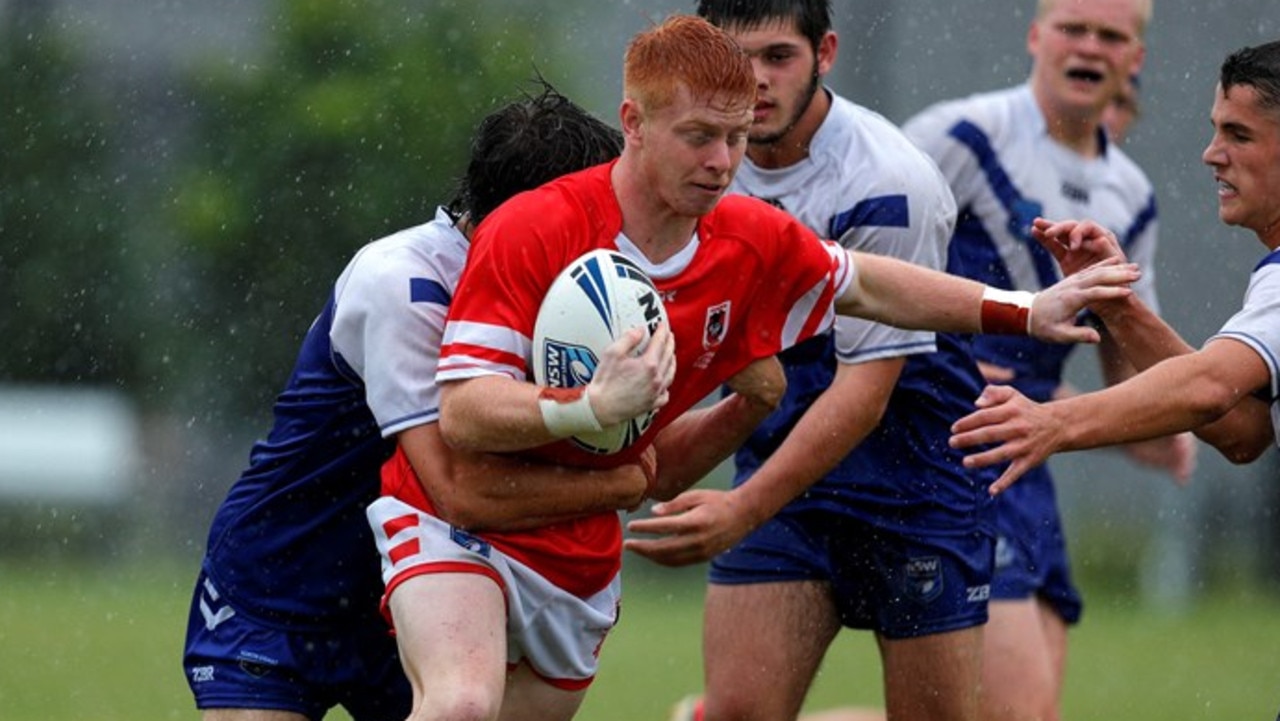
(910, 296)
(1210, 383)
(497, 413)
(488, 492)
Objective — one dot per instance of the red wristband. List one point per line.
(1006, 312)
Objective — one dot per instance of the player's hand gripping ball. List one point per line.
(592, 303)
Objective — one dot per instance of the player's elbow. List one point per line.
(1207, 400)
(1233, 435)
(455, 429)
(1240, 448)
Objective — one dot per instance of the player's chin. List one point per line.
(701, 201)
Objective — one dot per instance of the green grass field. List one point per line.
(104, 642)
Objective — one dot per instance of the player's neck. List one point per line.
(647, 221)
(1270, 235)
(1075, 129)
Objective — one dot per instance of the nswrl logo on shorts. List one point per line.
(923, 578)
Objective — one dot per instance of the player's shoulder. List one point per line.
(991, 113)
(1127, 171)
(576, 199)
(878, 157)
(435, 248)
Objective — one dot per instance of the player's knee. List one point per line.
(733, 707)
(462, 702)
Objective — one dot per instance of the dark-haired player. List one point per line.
(284, 620)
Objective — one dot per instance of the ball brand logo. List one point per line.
(590, 278)
(568, 365)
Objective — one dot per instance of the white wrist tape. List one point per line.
(567, 412)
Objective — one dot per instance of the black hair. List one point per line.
(528, 142)
(1257, 67)
(812, 17)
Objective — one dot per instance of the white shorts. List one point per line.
(558, 634)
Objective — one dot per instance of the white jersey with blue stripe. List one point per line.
(1257, 325)
(290, 545)
(865, 185)
(1005, 170)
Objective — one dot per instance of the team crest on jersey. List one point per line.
(716, 327)
(568, 365)
(923, 578)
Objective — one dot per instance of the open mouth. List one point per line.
(1085, 75)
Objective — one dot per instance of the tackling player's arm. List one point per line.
(1210, 383)
(488, 492)
(1145, 339)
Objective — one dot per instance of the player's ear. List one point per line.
(631, 118)
(827, 49)
(1033, 37)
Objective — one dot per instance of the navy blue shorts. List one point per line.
(241, 663)
(897, 585)
(1031, 548)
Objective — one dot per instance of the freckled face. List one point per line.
(692, 148)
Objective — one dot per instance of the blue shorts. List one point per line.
(896, 585)
(242, 663)
(1031, 549)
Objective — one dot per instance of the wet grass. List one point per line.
(103, 641)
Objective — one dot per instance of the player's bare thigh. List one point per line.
(530, 698)
(934, 677)
(451, 629)
(1023, 661)
(762, 645)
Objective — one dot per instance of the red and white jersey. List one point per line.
(752, 282)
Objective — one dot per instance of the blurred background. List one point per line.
(182, 180)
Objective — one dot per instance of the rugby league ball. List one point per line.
(592, 303)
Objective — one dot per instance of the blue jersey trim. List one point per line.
(1272, 258)
(1021, 210)
(426, 290)
(1140, 223)
(429, 413)
(885, 211)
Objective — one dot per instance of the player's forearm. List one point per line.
(1146, 406)
(834, 424)
(483, 491)
(699, 440)
(898, 293)
(507, 495)
(1140, 335)
(492, 413)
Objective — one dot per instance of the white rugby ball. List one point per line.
(592, 303)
